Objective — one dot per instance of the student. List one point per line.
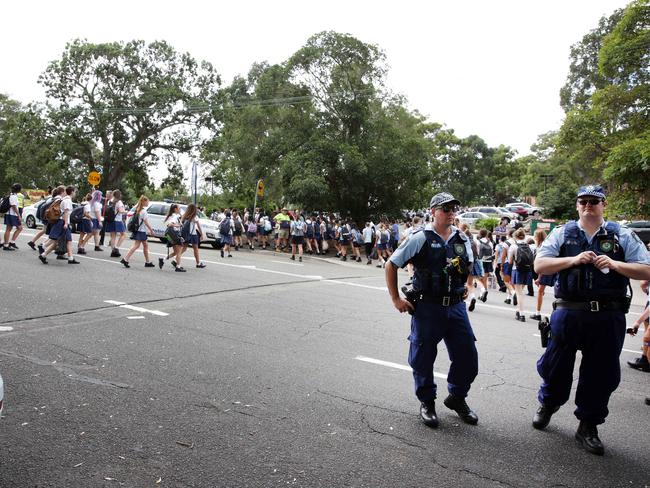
(520, 259)
(86, 226)
(226, 228)
(192, 232)
(357, 241)
(238, 229)
(175, 240)
(140, 234)
(46, 225)
(368, 237)
(116, 226)
(507, 269)
(13, 220)
(251, 233)
(61, 228)
(297, 231)
(96, 219)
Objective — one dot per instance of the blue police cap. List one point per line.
(591, 191)
(442, 198)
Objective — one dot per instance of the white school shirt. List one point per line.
(87, 211)
(13, 200)
(119, 209)
(367, 235)
(95, 207)
(144, 217)
(193, 229)
(174, 220)
(66, 204)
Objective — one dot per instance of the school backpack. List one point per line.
(252, 228)
(40, 211)
(224, 227)
(109, 214)
(299, 226)
(345, 232)
(484, 250)
(524, 259)
(238, 226)
(384, 236)
(358, 236)
(77, 215)
(267, 225)
(4, 205)
(134, 223)
(53, 212)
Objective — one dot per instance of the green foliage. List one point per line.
(488, 224)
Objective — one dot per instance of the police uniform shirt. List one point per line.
(413, 244)
(632, 246)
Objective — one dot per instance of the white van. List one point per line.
(158, 211)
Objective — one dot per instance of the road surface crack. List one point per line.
(402, 440)
(483, 477)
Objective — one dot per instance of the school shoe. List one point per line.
(125, 263)
(13, 245)
(647, 400)
(300, 259)
(503, 289)
(41, 249)
(7, 248)
(149, 265)
(587, 437)
(459, 405)
(180, 269)
(640, 363)
(99, 249)
(472, 305)
(484, 296)
(174, 264)
(358, 260)
(428, 414)
(161, 263)
(73, 261)
(115, 253)
(293, 258)
(543, 416)
(530, 294)
(81, 250)
(514, 299)
(229, 255)
(507, 301)
(344, 258)
(536, 316)
(200, 265)
(43, 259)
(61, 257)
(520, 317)
(222, 253)
(32, 245)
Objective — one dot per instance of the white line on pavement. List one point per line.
(290, 264)
(135, 317)
(403, 367)
(136, 309)
(349, 283)
(6, 328)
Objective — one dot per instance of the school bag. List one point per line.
(109, 215)
(252, 228)
(53, 212)
(238, 226)
(134, 223)
(4, 204)
(345, 232)
(77, 215)
(224, 227)
(524, 259)
(299, 225)
(358, 237)
(484, 251)
(267, 225)
(40, 211)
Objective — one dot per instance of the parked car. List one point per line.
(521, 212)
(508, 213)
(641, 228)
(531, 211)
(470, 218)
(2, 394)
(158, 211)
(29, 215)
(494, 212)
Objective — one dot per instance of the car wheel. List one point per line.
(30, 221)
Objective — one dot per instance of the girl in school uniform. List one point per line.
(519, 278)
(175, 241)
(61, 229)
(140, 235)
(86, 225)
(117, 229)
(95, 218)
(12, 219)
(192, 232)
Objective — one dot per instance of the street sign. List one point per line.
(260, 188)
(94, 178)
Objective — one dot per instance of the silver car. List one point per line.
(158, 211)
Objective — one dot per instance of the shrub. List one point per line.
(488, 224)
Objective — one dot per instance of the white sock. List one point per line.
(472, 295)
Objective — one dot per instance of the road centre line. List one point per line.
(135, 317)
(136, 309)
(389, 364)
(6, 328)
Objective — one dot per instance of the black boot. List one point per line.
(459, 405)
(428, 414)
(640, 363)
(543, 416)
(587, 437)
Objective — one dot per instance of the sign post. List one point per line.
(194, 178)
(94, 178)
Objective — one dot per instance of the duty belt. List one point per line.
(590, 306)
(445, 301)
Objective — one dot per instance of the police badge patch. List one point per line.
(606, 246)
(459, 249)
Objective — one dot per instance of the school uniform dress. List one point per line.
(86, 222)
(141, 233)
(518, 277)
(11, 218)
(193, 236)
(117, 225)
(58, 230)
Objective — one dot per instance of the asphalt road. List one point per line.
(259, 371)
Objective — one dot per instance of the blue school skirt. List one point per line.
(519, 278)
(139, 236)
(11, 220)
(86, 226)
(96, 225)
(547, 280)
(193, 239)
(58, 232)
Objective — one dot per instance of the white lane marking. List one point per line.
(626, 350)
(290, 264)
(380, 288)
(97, 259)
(6, 328)
(136, 309)
(403, 367)
(135, 317)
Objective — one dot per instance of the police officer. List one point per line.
(595, 260)
(441, 259)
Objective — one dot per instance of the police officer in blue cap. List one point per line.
(441, 258)
(595, 261)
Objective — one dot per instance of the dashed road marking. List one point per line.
(6, 328)
(136, 309)
(388, 364)
(135, 317)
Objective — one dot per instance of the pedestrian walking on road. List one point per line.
(192, 233)
(61, 227)
(140, 227)
(86, 225)
(594, 260)
(13, 219)
(520, 261)
(114, 215)
(174, 238)
(442, 258)
(40, 217)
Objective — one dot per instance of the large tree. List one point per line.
(117, 107)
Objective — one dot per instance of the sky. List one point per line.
(489, 68)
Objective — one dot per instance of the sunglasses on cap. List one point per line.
(448, 208)
(589, 201)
